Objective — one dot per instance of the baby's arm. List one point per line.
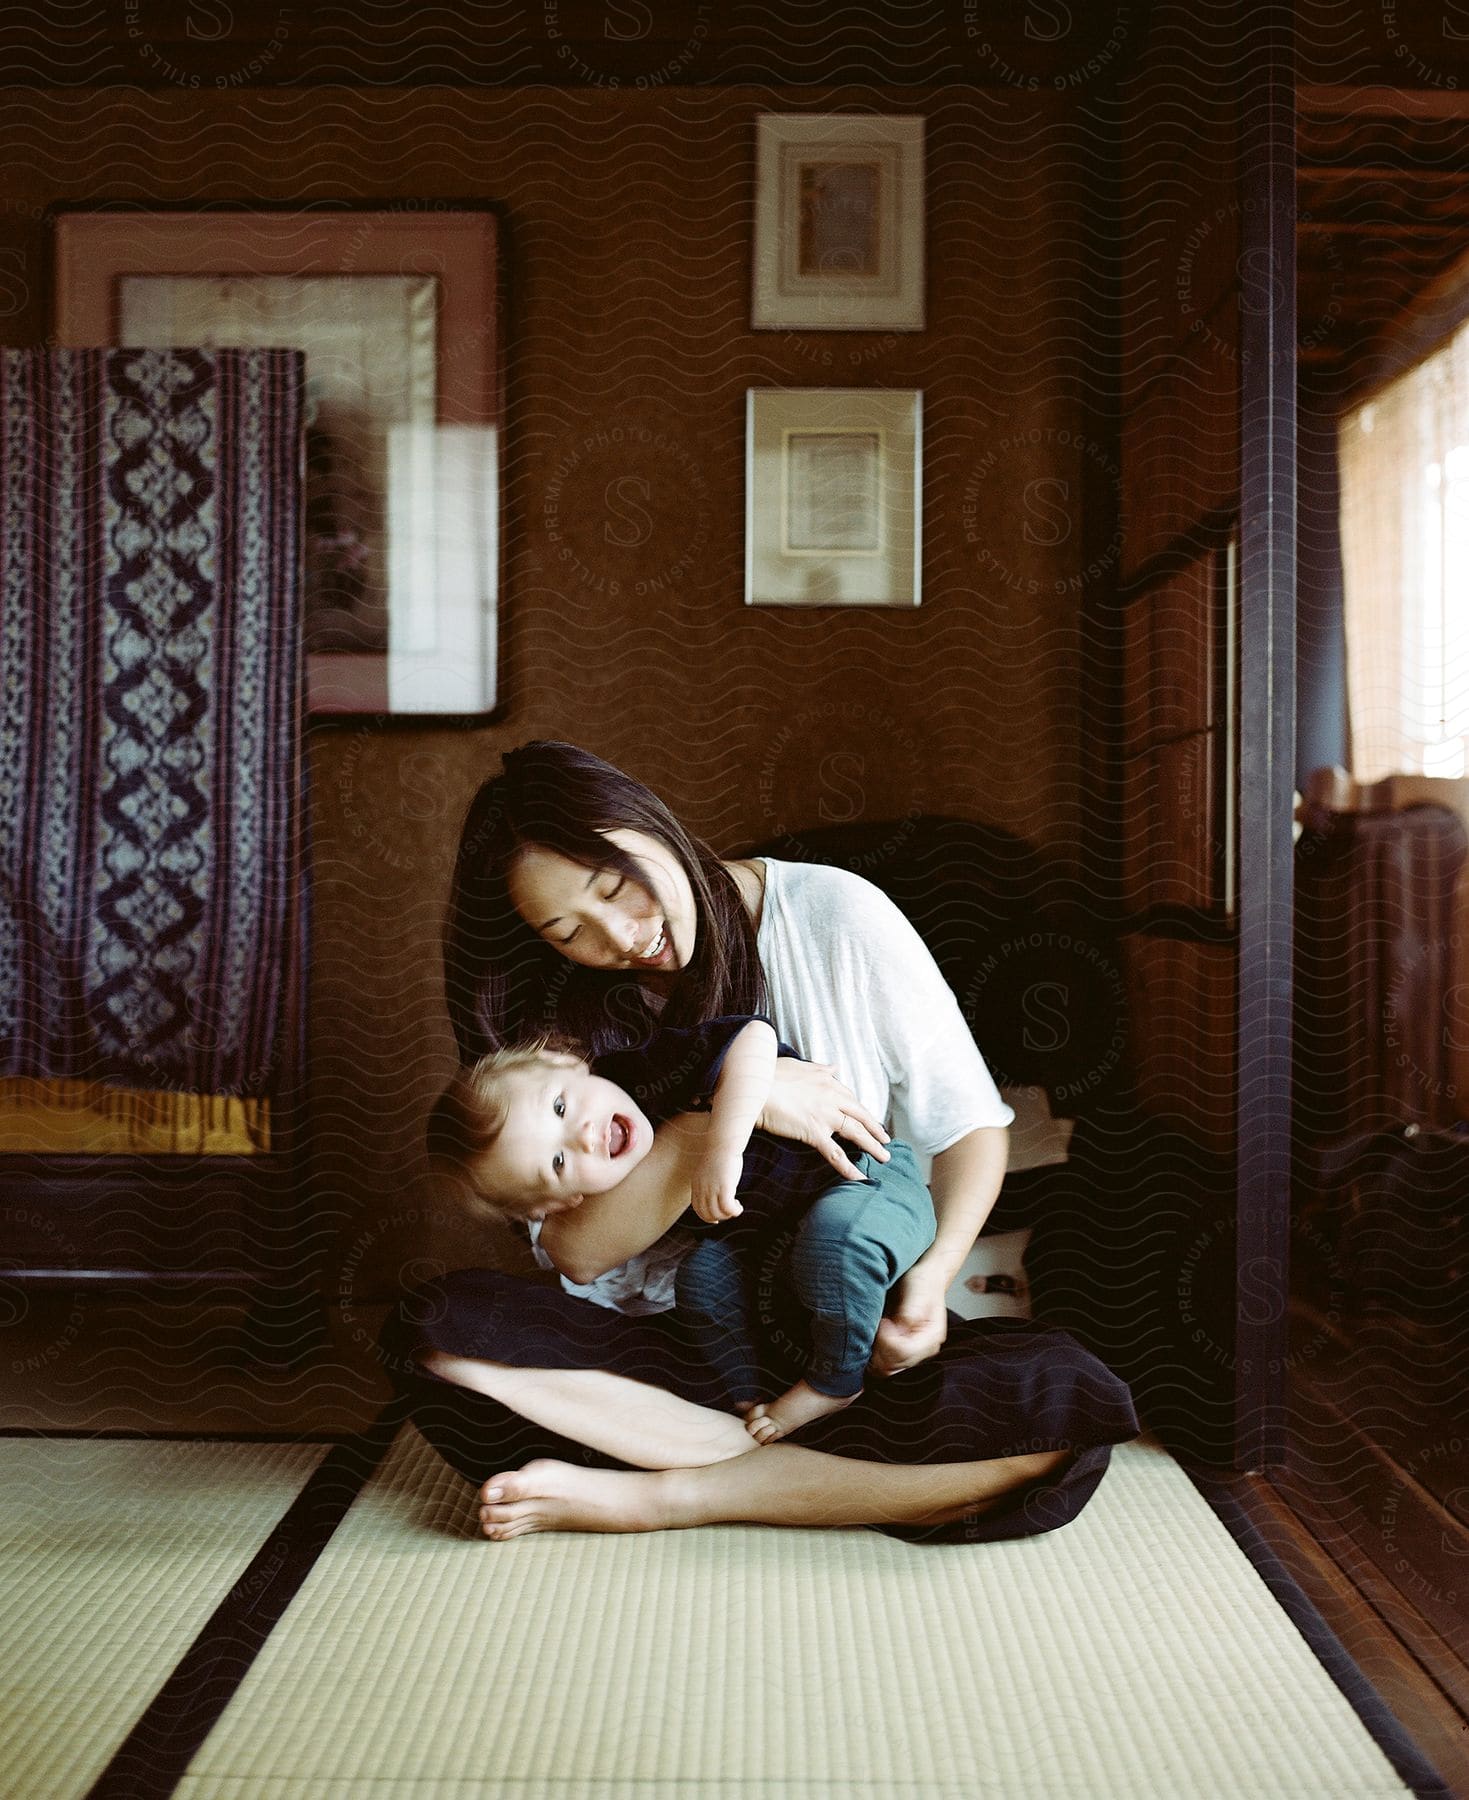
(739, 1097)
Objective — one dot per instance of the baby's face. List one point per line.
(568, 1134)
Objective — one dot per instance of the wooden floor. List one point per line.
(1375, 1546)
(1422, 1678)
(159, 1362)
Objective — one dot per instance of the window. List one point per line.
(1405, 557)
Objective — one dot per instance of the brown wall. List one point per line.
(1167, 1303)
(628, 304)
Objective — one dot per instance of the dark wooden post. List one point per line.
(1267, 640)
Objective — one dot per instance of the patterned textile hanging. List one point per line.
(150, 620)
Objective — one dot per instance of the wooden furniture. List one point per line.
(1383, 936)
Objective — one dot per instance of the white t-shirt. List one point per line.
(851, 983)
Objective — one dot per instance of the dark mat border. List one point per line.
(1390, 1734)
(123, 1434)
(152, 1759)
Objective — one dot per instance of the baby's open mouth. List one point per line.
(619, 1135)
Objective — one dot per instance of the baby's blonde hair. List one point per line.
(471, 1113)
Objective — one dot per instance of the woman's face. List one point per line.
(598, 918)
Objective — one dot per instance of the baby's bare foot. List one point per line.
(558, 1496)
(768, 1422)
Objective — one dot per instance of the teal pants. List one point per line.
(778, 1299)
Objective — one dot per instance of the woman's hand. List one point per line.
(917, 1327)
(808, 1103)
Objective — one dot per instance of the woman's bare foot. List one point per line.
(558, 1496)
(797, 1406)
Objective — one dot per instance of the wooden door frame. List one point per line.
(1267, 683)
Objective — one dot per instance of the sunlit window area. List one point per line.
(1405, 555)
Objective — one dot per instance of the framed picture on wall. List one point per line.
(396, 308)
(838, 223)
(833, 511)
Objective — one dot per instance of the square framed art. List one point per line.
(839, 226)
(833, 508)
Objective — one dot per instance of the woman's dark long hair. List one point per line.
(505, 984)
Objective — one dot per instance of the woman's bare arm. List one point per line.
(965, 1184)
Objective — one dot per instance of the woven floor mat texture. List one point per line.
(1135, 1653)
(114, 1553)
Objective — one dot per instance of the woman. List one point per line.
(581, 904)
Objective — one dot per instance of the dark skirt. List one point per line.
(998, 1387)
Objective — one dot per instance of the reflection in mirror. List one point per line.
(1380, 1249)
(443, 554)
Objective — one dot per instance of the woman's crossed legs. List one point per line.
(696, 1466)
(601, 1422)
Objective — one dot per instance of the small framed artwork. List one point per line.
(833, 496)
(397, 311)
(838, 223)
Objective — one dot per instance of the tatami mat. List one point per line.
(115, 1553)
(1135, 1653)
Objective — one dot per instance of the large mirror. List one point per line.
(1380, 1250)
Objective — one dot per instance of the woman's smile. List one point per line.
(659, 953)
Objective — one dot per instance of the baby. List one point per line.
(538, 1131)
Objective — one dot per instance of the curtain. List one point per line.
(149, 652)
(1405, 566)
